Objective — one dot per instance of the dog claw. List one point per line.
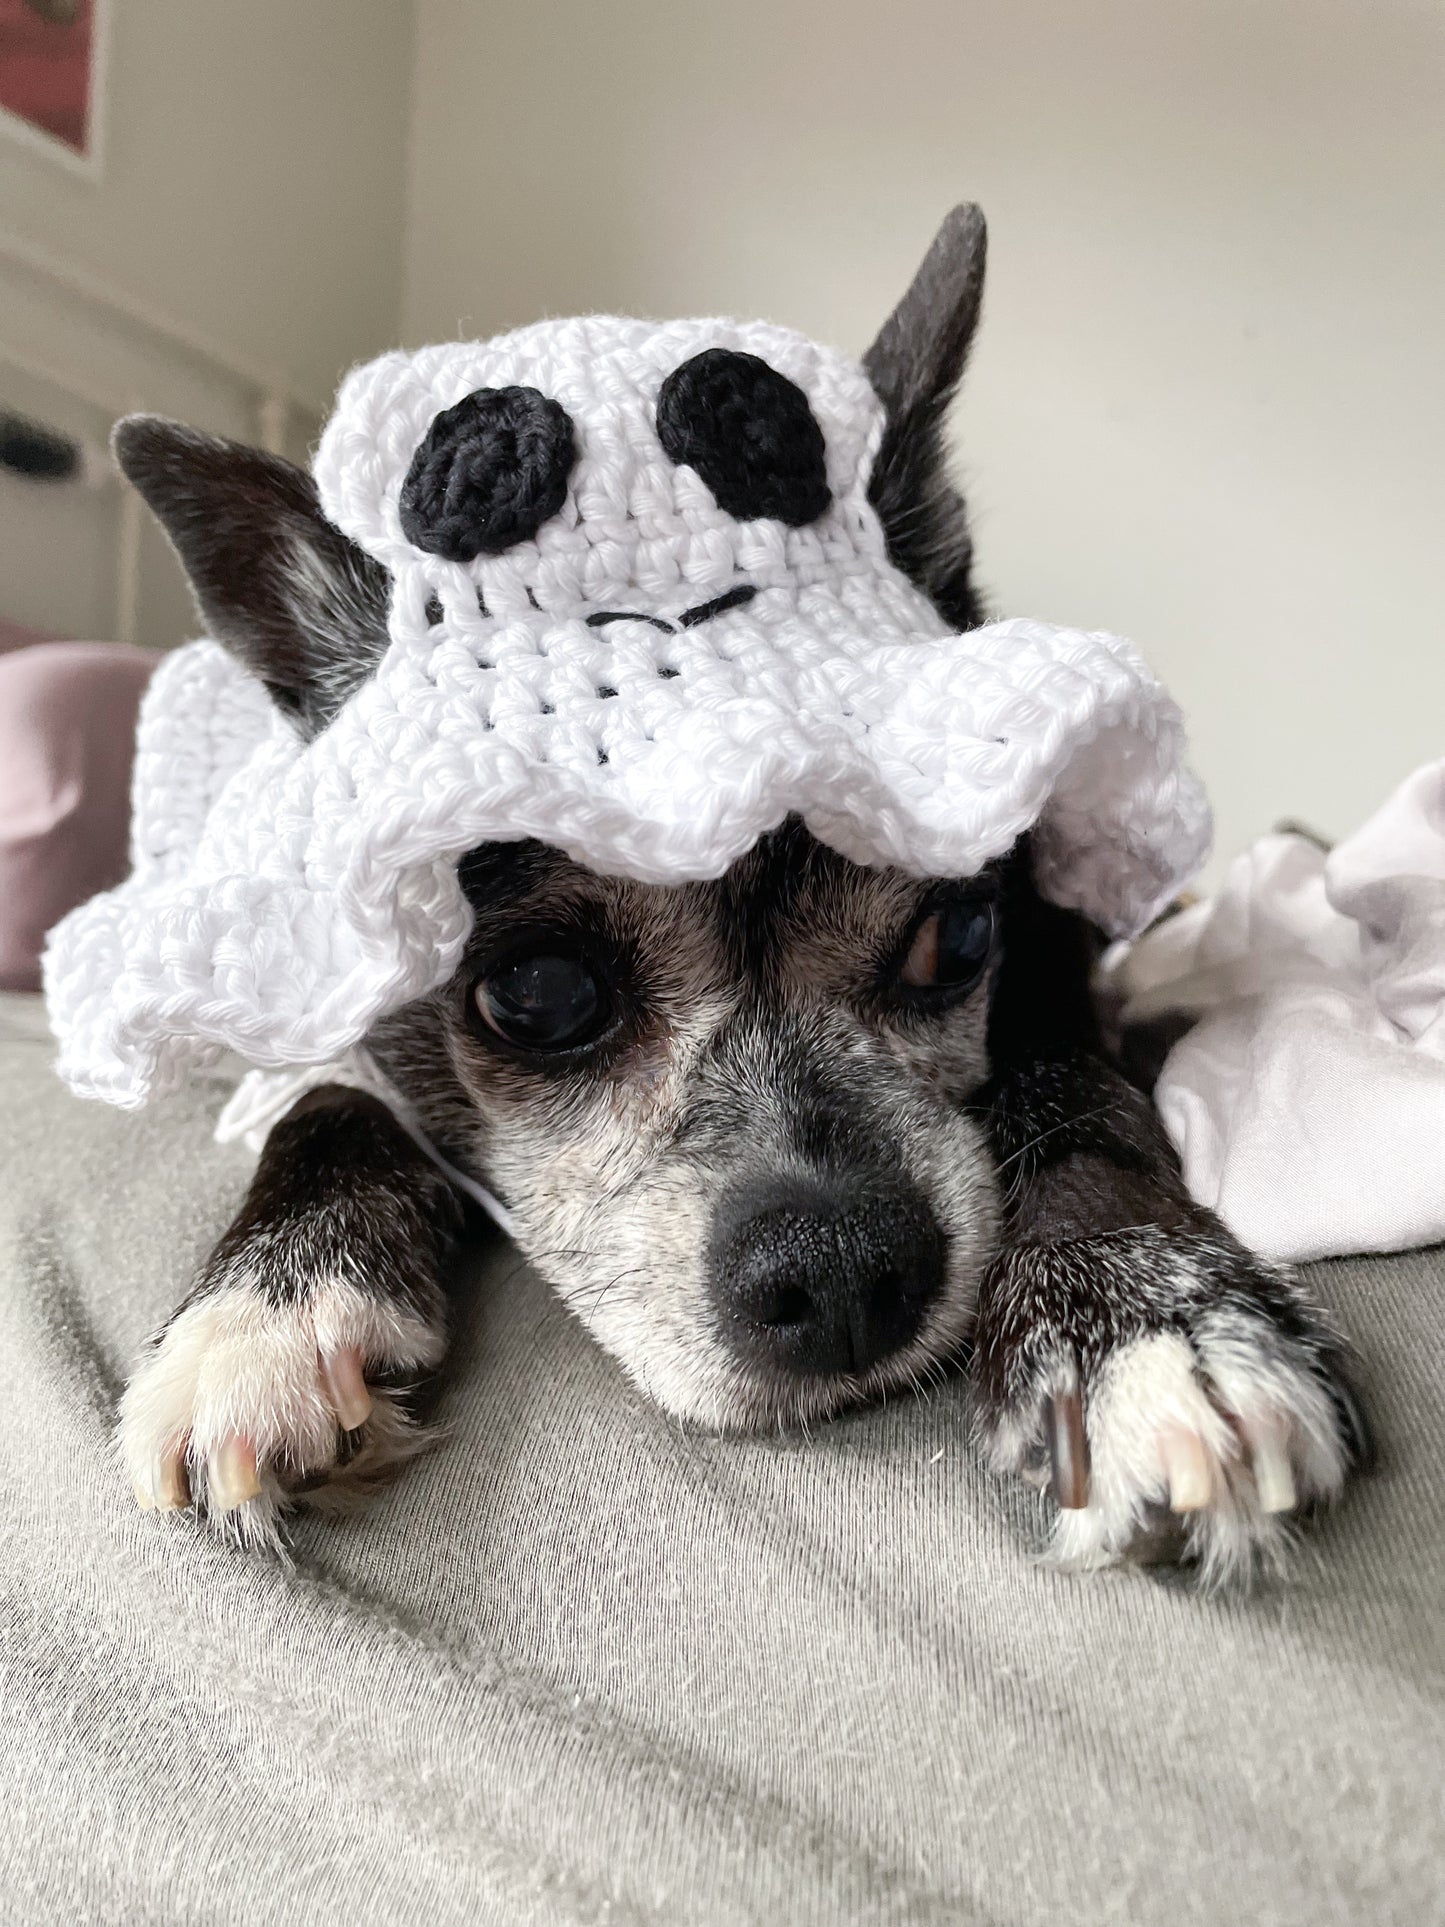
(232, 1478)
(173, 1487)
(345, 1386)
(166, 1487)
(1186, 1462)
(1068, 1449)
(1273, 1473)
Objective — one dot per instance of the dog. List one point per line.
(785, 1141)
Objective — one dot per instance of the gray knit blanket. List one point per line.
(578, 1665)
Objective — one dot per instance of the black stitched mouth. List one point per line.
(629, 615)
(734, 599)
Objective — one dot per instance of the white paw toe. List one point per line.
(244, 1399)
(1204, 1451)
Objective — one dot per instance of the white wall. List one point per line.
(253, 178)
(1207, 405)
(251, 197)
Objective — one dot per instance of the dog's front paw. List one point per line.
(254, 1394)
(1184, 1400)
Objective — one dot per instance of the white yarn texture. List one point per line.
(286, 894)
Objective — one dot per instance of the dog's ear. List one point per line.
(292, 598)
(914, 366)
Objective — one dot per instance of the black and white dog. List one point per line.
(784, 1141)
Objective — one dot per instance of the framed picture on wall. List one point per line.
(50, 78)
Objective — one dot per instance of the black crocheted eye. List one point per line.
(490, 472)
(749, 433)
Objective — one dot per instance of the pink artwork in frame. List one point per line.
(47, 74)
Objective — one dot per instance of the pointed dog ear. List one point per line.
(287, 593)
(915, 366)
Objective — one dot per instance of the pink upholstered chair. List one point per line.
(67, 733)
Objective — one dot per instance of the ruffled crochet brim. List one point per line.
(288, 894)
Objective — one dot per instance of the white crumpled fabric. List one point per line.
(1308, 1102)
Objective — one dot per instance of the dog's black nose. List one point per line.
(827, 1275)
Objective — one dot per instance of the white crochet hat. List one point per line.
(643, 610)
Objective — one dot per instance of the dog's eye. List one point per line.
(547, 1000)
(950, 948)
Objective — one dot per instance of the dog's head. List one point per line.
(730, 1119)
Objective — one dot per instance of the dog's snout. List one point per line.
(824, 1277)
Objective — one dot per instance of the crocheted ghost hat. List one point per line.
(641, 608)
